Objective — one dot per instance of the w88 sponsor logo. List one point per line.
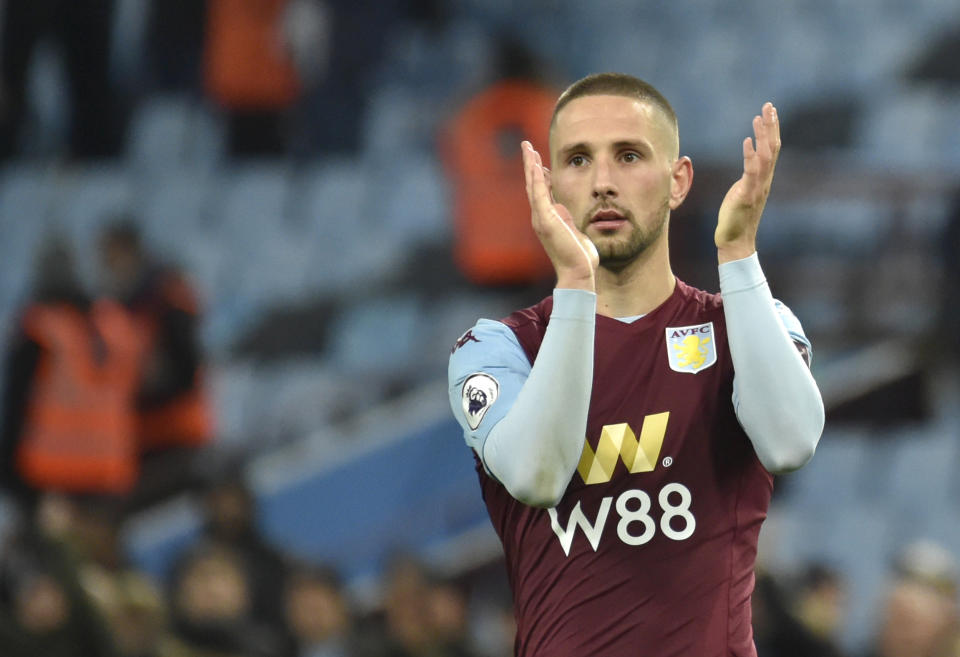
(636, 526)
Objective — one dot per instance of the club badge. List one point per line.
(691, 349)
(479, 393)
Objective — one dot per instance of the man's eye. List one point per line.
(578, 161)
(631, 157)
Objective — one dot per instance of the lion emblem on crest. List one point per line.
(692, 351)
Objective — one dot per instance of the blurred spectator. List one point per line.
(306, 28)
(308, 32)
(422, 616)
(230, 519)
(174, 415)
(81, 30)
(447, 607)
(494, 243)
(919, 617)
(819, 601)
(317, 613)
(128, 603)
(134, 609)
(43, 608)
(175, 31)
(70, 379)
(949, 324)
(403, 628)
(493, 625)
(349, 38)
(777, 631)
(212, 608)
(249, 73)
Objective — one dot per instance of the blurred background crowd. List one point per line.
(239, 237)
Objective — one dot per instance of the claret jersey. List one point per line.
(651, 550)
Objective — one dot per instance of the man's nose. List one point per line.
(603, 184)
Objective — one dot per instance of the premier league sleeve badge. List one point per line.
(478, 394)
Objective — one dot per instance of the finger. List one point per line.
(544, 173)
(774, 131)
(769, 113)
(537, 170)
(537, 192)
(525, 153)
(526, 149)
(760, 134)
(770, 126)
(749, 155)
(541, 198)
(771, 130)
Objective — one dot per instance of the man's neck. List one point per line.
(637, 288)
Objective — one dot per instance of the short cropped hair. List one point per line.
(615, 84)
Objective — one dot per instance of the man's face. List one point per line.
(613, 162)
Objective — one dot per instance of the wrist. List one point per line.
(740, 275)
(739, 250)
(567, 281)
(573, 304)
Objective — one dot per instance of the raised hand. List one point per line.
(743, 205)
(573, 255)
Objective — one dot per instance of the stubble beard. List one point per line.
(617, 253)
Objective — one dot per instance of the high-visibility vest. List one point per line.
(78, 430)
(187, 420)
(494, 242)
(246, 64)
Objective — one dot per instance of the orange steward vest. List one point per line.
(246, 64)
(494, 242)
(186, 420)
(78, 432)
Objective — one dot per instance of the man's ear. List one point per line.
(681, 181)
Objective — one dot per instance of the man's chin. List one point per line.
(617, 259)
(618, 254)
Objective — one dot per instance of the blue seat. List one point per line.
(380, 335)
(340, 212)
(908, 117)
(168, 132)
(419, 210)
(922, 472)
(832, 476)
(26, 200)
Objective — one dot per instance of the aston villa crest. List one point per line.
(691, 349)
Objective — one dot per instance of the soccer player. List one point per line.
(627, 428)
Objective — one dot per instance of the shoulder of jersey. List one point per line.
(478, 334)
(538, 315)
(706, 300)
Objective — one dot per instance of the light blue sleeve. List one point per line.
(775, 396)
(487, 369)
(527, 421)
(794, 329)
